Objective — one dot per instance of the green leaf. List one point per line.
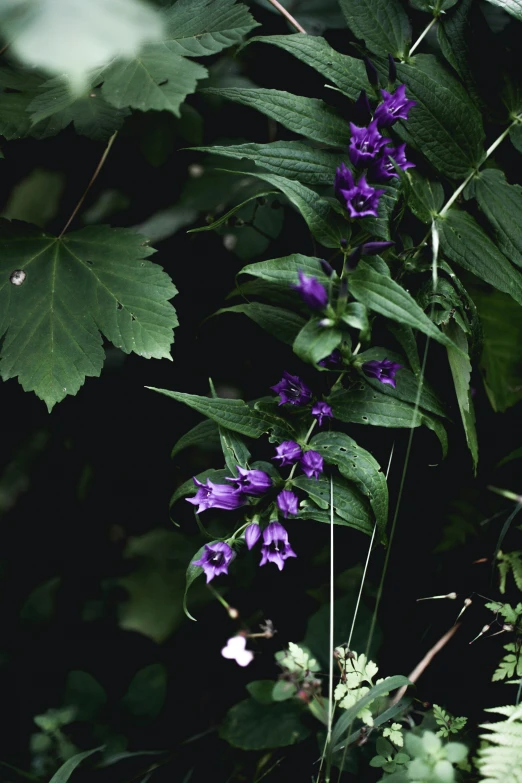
(380, 226)
(445, 126)
(282, 690)
(157, 79)
(314, 342)
(367, 406)
(291, 159)
(383, 295)
(357, 465)
(253, 726)
(501, 360)
(197, 28)
(515, 134)
(223, 219)
(191, 575)
(459, 39)
(280, 323)
(91, 281)
(401, 706)
(283, 271)
(406, 339)
(233, 414)
(203, 435)
(90, 114)
(382, 24)
(425, 198)
(461, 371)
(66, 770)
(502, 205)
(350, 507)
(348, 73)
(234, 450)
(146, 693)
(261, 690)
(72, 37)
(513, 7)
(385, 687)
(305, 116)
(322, 221)
(464, 242)
(85, 694)
(36, 198)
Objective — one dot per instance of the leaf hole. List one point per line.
(90, 262)
(120, 306)
(342, 448)
(364, 418)
(133, 317)
(163, 83)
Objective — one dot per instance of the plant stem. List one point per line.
(306, 439)
(288, 16)
(91, 183)
(424, 32)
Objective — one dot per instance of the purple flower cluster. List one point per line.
(275, 547)
(372, 151)
(289, 453)
(291, 389)
(210, 495)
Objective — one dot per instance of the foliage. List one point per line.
(448, 723)
(501, 756)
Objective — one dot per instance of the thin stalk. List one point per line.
(331, 641)
(91, 183)
(306, 439)
(287, 16)
(424, 33)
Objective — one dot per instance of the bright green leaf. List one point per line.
(283, 271)
(66, 770)
(91, 281)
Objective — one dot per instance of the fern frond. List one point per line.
(500, 759)
(511, 561)
(509, 664)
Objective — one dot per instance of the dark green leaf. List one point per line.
(464, 242)
(146, 693)
(357, 465)
(284, 271)
(513, 7)
(515, 134)
(66, 770)
(305, 116)
(406, 339)
(234, 450)
(314, 342)
(192, 574)
(282, 690)
(401, 706)
(502, 205)
(291, 159)
(350, 507)
(461, 371)
(445, 126)
(197, 28)
(457, 37)
(501, 361)
(91, 281)
(261, 690)
(85, 694)
(383, 295)
(223, 219)
(253, 726)
(425, 198)
(348, 73)
(280, 323)
(203, 435)
(382, 24)
(380, 226)
(368, 406)
(347, 718)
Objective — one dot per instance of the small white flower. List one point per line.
(235, 651)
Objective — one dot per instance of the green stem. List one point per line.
(306, 439)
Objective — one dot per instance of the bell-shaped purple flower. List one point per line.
(252, 534)
(251, 482)
(215, 560)
(287, 502)
(361, 109)
(212, 495)
(365, 144)
(361, 200)
(292, 389)
(312, 292)
(384, 370)
(275, 548)
(321, 410)
(374, 248)
(333, 360)
(383, 168)
(312, 464)
(288, 453)
(395, 106)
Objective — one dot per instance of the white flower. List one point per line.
(235, 651)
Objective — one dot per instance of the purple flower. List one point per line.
(292, 389)
(374, 248)
(384, 169)
(312, 464)
(215, 559)
(275, 548)
(365, 144)
(312, 292)
(361, 109)
(288, 452)
(251, 482)
(212, 495)
(252, 534)
(321, 410)
(334, 360)
(361, 200)
(395, 106)
(384, 370)
(287, 502)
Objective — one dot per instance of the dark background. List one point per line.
(79, 488)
